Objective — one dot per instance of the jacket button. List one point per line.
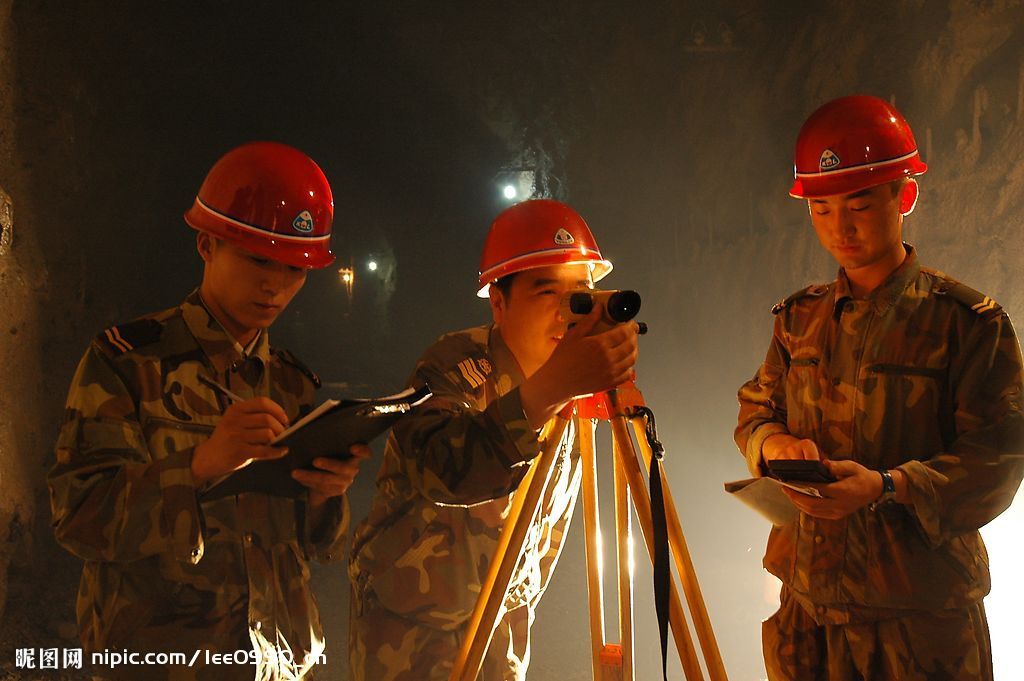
(248, 538)
(818, 539)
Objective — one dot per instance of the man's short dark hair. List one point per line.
(505, 284)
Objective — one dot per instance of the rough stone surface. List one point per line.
(20, 277)
(6, 223)
(36, 581)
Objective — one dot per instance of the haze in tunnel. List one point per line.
(669, 127)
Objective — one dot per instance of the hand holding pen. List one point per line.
(242, 435)
(262, 420)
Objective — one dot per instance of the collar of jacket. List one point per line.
(888, 292)
(505, 363)
(223, 351)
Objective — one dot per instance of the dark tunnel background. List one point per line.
(668, 125)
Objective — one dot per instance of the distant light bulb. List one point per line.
(372, 265)
(510, 191)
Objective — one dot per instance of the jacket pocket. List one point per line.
(904, 370)
(437, 579)
(166, 436)
(806, 384)
(905, 407)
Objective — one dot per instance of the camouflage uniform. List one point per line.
(444, 490)
(166, 570)
(952, 645)
(925, 376)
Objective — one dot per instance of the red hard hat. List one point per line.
(538, 233)
(270, 199)
(850, 144)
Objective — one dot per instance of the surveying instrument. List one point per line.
(624, 408)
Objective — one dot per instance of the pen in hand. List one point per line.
(222, 390)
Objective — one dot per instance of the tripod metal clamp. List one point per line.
(651, 431)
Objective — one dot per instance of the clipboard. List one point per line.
(765, 496)
(329, 430)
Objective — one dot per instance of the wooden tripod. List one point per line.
(610, 662)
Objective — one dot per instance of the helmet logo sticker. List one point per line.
(563, 238)
(828, 160)
(303, 222)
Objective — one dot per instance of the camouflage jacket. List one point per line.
(445, 487)
(165, 570)
(925, 376)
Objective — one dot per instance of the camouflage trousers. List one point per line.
(922, 646)
(384, 646)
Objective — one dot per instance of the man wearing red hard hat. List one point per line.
(907, 385)
(450, 469)
(180, 582)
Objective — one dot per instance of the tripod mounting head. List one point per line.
(623, 400)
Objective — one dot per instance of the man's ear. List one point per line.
(908, 196)
(204, 244)
(498, 303)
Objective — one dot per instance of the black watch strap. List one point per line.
(888, 490)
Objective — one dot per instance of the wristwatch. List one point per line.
(888, 490)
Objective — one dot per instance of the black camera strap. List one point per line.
(662, 568)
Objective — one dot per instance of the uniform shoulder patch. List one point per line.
(463, 357)
(965, 295)
(474, 371)
(131, 336)
(287, 357)
(815, 290)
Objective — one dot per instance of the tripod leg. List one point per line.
(688, 576)
(592, 531)
(491, 600)
(624, 564)
(638, 490)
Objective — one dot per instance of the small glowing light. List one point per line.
(372, 265)
(509, 191)
(346, 277)
(390, 409)
(310, 193)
